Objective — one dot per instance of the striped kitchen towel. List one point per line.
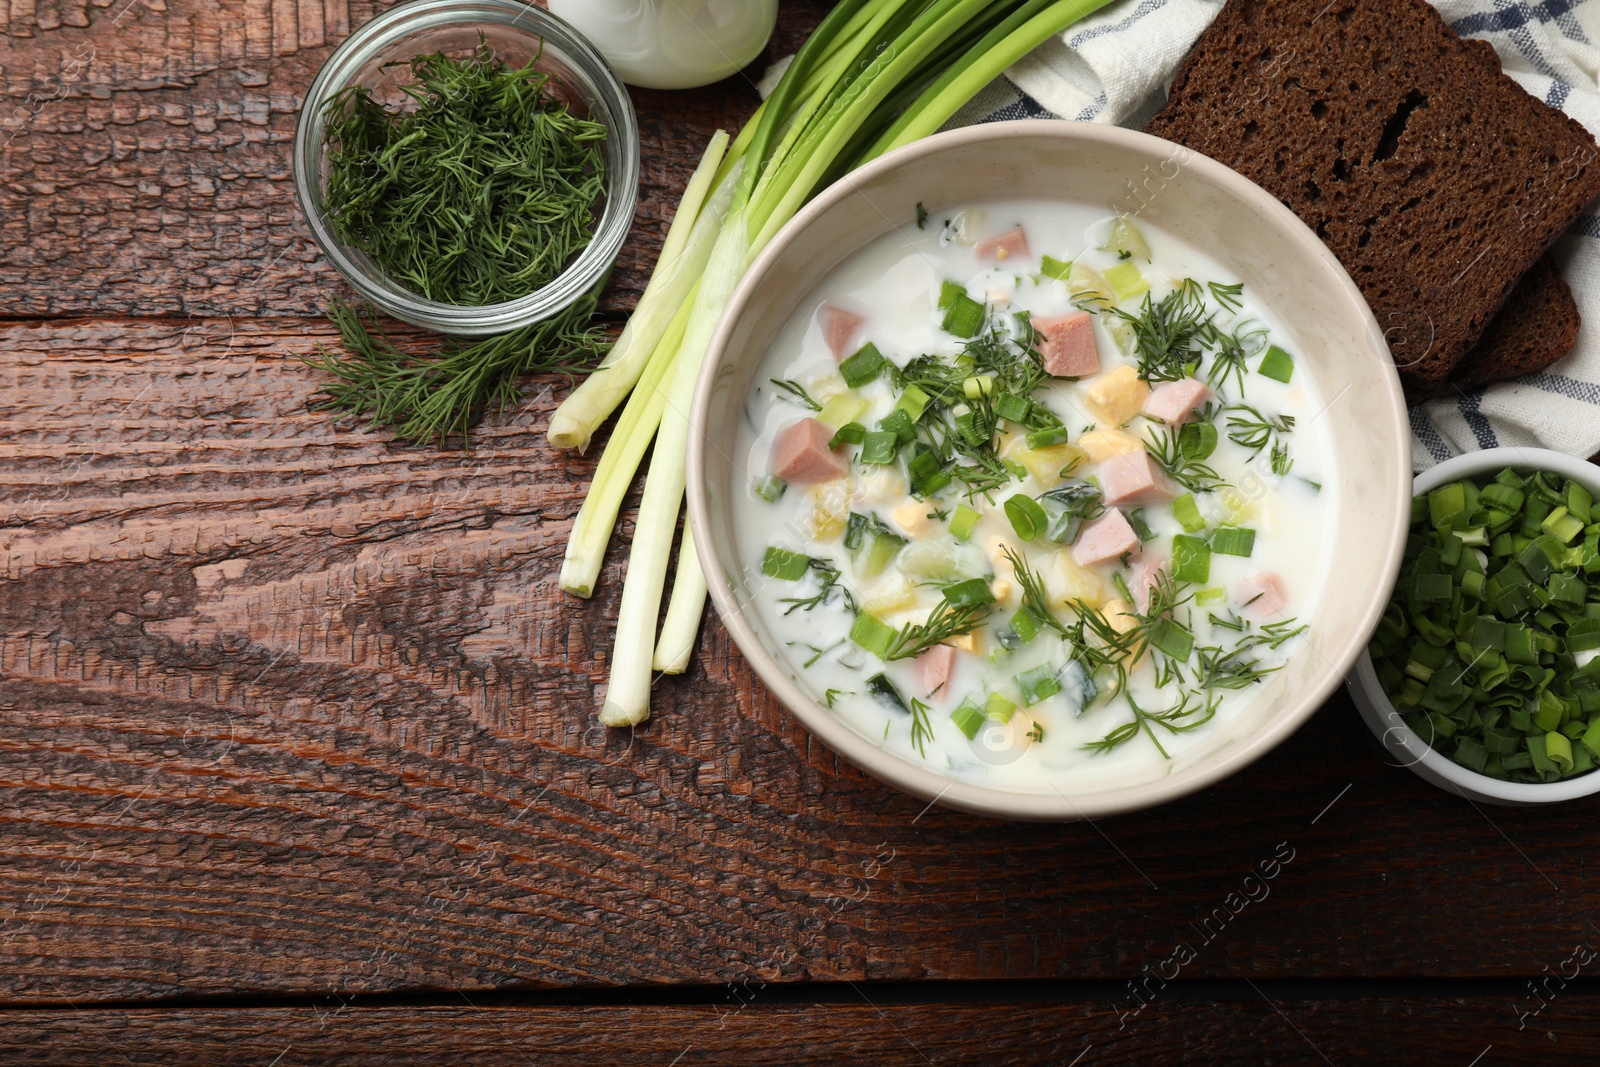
(1114, 66)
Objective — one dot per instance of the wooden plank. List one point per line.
(285, 707)
(1481, 1031)
(170, 186)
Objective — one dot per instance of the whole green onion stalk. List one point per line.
(875, 75)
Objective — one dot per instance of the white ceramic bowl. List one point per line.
(1282, 263)
(1398, 739)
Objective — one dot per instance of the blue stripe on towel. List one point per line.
(1425, 432)
(1561, 385)
(1586, 226)
(1557, 97)
(1099, 105)
(1511, 20)
(1023, 107)
(1469, 405)
(1144, 8)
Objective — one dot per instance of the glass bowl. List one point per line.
(514, 30)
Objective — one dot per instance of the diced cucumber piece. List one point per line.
(769, 488)
(970, 593)
(883, 691)
(872, 634)
(843, 408)
(1126, 240)
(1277, 365)
(914, 401)
(1058, 269)
(1041, 683)
(1187, 512)
(978, 385)
(877, 552)
(963, 521)
(784, 564)
(1025, 624)
(969, 718)
(1127, 280)
(1000, 708)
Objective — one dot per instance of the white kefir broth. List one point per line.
(895, 285)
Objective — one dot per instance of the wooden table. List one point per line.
(298, 750)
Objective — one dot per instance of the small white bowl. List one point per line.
(1398, 739)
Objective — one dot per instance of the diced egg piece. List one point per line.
(1119, 615)
(1045, 464)
(893, 592)
(827, 509)
(995, 547)
(825, 387)
(1002, 591)
(1116, 396)
(1101, 445)
(1069, 581)
(913, 519)
(967, 642)
(881, 486)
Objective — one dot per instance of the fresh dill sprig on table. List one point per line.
(439, 396)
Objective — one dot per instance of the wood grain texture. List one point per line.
(1481, 1031)
(145, 156)
(285, 707)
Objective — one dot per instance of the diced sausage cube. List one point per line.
(801, 454)
(1013, 244)
(933, 668)
(1263, 595)
(1174, 402)
(1134, 478)
(1107, 537)
(1069, 348)
(839, 328)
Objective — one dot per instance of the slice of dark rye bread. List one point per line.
(1537, 326)
(1436, 180)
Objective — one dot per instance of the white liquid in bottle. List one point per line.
(673, 44)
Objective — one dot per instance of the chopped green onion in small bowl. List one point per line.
(1483, 676)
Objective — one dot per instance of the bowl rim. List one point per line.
(593, 264)
(897, 770)
(1364, 676)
